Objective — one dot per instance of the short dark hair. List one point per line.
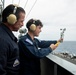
(9, 10)
(37, 22)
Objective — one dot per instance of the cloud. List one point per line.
(54, 14)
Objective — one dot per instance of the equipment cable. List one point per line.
(25, 4)
(31, 8)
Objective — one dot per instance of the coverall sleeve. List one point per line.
(44, 43)
(39, 52)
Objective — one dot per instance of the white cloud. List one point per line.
(54, 14)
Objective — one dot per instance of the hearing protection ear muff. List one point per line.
(11, 19)
(33, 26)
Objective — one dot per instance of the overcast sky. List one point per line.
(54, 14)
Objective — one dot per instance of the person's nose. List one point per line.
(22, 24)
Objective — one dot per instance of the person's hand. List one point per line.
(57, 43)
(60, 40)
(53, 47)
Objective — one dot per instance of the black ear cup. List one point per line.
(11, 19)
(33, 27)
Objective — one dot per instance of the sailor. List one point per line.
(33, 49)
(12, 20)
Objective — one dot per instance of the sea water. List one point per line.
(67, 46)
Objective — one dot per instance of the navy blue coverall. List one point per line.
(30, 53)
(9, 52)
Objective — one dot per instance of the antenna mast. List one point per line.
(1, 8)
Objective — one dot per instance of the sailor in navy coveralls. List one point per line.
(32, 49)
(9, 50)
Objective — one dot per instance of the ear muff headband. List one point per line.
(11, 19)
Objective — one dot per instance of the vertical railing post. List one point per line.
(55, 69)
